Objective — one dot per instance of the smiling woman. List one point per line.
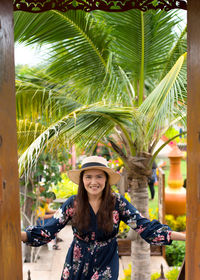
(96, 213)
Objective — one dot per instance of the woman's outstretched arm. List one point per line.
(24, 237)
(180, 236)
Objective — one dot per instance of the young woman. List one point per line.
(95, 214)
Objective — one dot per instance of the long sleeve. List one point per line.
(152, 232)
(40, 235)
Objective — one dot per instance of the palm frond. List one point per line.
(163, 103)
(157, 136)
(39, 98)
(85, 126)
(27, 132)
(77, 44)
(179, 48)
(157, 35)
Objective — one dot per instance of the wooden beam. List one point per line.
(10, 244)
(193, 144)
(181, 275)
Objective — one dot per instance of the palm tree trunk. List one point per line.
(140, 250)
(140, 255)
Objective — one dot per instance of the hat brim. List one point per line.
(114, 177)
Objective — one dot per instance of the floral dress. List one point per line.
(94, 254)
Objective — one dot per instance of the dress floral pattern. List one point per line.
(94, 254)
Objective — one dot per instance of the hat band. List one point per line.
(89, 164)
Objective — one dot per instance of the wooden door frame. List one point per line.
(10, 245)
(193, 143)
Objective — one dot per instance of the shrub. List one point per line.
(65, 188)
(170, 275)
(124, 228)
(175, 253)
(155, 276)
(181, 223)
(176, 224)
(153, 215)
(170, 221)
(127, 273)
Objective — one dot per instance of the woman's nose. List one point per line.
(93, 181)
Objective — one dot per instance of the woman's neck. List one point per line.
(95, 203)
(94, 199)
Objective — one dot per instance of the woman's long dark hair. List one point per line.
(81, 219)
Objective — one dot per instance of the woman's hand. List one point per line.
(180, 236)
(24, 236)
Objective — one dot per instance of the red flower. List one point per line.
(159, 238)
(93, 236)
(65, 273)
(77, 253)
(70, 212)
(140, 229)
(115, 217)
(44, 234)
(169, 236)
(95, 276)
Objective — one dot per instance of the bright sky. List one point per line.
(27, 55)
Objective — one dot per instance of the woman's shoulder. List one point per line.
(70, 200)
(118, 197)
(121, 201)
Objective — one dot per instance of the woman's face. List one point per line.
(94, 181)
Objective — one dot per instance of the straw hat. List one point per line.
(94, 162)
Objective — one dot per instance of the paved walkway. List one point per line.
(50, 264)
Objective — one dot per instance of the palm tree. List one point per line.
(126, 79)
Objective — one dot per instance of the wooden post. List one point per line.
(193, 144)
(10, 244)
(161, 202)
(161, 195)
(181, 275)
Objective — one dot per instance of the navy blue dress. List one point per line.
(94, 254)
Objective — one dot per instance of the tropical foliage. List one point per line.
(124, 71)
(65, 188)
(32, 190)
(175, 253)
